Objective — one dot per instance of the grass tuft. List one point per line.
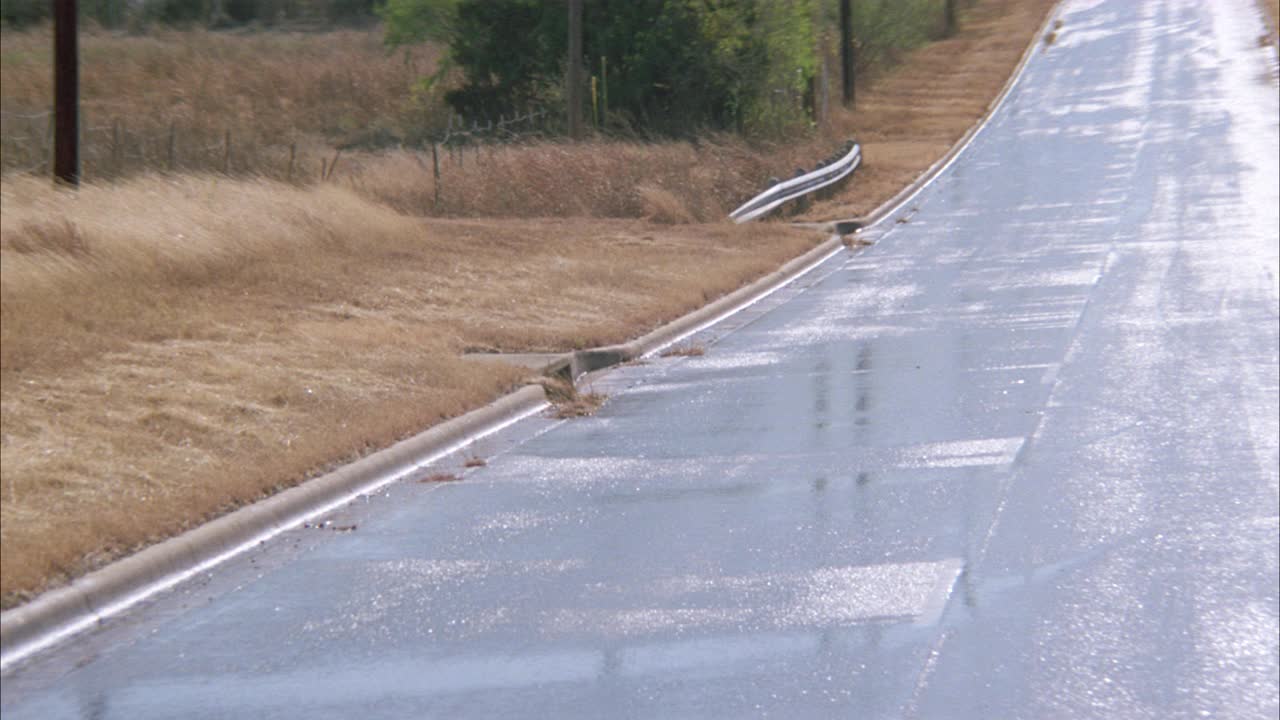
(54, 238)
(567, 401)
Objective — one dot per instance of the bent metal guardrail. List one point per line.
(798, 186)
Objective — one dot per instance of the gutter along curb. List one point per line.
(89, 600)
(585, 361)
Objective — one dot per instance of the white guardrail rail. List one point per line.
(801, 185)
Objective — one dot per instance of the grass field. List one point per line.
(174, 345)
(268, 89)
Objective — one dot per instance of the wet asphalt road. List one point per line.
(1018, 459)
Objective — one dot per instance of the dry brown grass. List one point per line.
(171, 348)
(164, 362)
(670, 182)
(268, 88)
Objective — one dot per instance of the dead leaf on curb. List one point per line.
(475, 462)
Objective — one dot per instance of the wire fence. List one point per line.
(113, 149)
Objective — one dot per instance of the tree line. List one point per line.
(648, 67)
(660, 67)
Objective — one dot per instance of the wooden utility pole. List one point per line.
(573, 79)
(66, 94)
(950, 11)
(846, 52)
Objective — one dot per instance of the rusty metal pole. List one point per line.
(66, 94)
(573, 79)
(846, 53)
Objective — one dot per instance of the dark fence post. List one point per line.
(117, 152)
(435, 174)
(226, 152)
(66, 92)
(172, 150)
(846, 53)
(604, 89)
(574, 75)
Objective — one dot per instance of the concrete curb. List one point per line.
(67, 610)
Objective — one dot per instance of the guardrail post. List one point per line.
(802, 202)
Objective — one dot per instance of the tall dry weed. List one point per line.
(663, 206)
(83, 262)
(599, 179)
(267, 89)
